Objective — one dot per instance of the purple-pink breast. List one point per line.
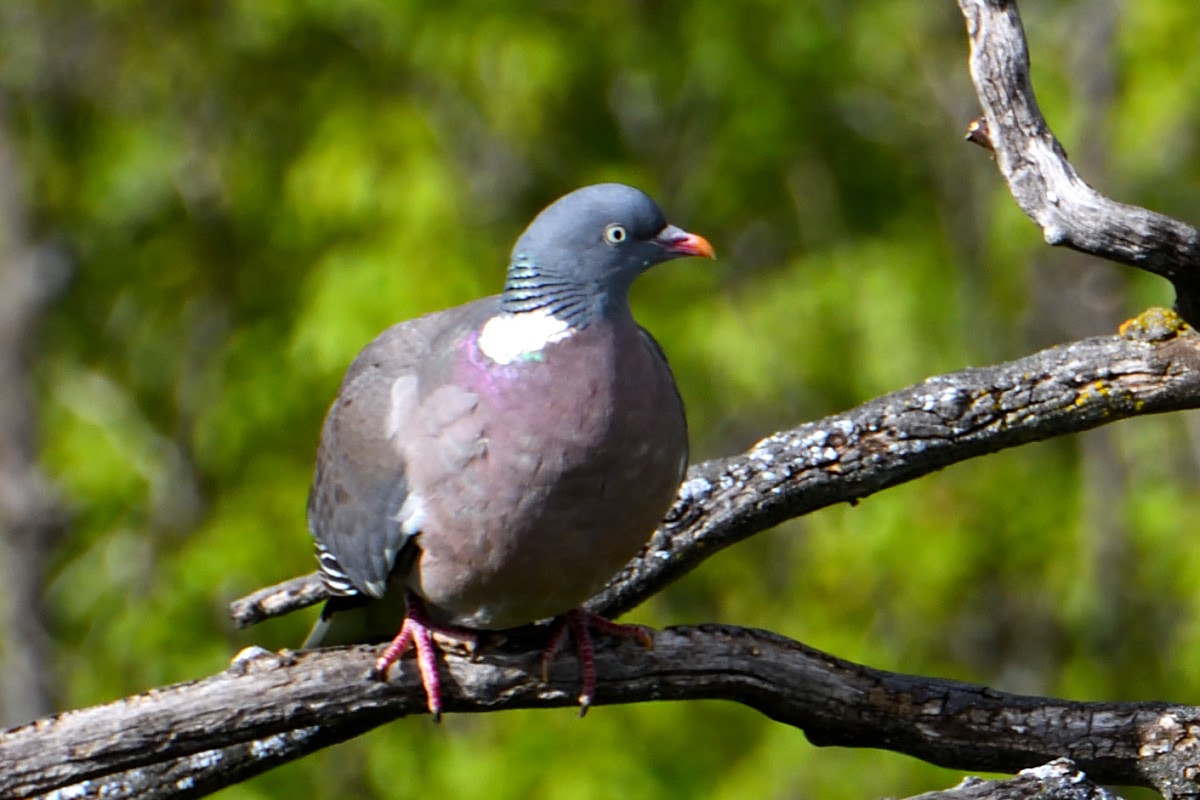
(541, 478)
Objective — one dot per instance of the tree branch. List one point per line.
(268, 708)
(1058, 780)
(1152, 367)
(1045, 184)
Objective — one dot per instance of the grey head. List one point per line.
(579, 256)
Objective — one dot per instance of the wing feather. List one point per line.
(362, 513)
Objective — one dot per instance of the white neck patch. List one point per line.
(513, 337)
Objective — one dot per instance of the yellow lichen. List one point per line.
(1096, 390)
(1153, 325)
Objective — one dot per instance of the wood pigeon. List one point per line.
(497, 463)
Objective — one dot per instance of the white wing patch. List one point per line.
(404, 390)
(411, 517)
(510, 337)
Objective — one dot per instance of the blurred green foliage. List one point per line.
(254, 189)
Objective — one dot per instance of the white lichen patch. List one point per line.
(695, 488)
(250, 653)
(1055, 770)
(79, 790)
(206, 760)
(265, 748)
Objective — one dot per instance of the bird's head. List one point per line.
(593, 242)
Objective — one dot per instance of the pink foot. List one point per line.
(418, 632)
(581, 623)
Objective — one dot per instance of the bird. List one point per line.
(495, 464)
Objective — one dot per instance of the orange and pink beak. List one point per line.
(679, 241)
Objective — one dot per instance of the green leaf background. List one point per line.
(253, 189)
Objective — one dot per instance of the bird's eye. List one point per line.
(615, 234)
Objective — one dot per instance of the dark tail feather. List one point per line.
(332, 606)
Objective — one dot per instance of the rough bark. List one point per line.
(1044, 183)
(269, 708)
(1058, 780)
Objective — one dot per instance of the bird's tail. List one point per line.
(319, 629)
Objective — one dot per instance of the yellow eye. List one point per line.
(614, 234)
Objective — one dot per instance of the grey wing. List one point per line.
(361, 512)
(356, 509)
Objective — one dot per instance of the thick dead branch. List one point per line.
(270, 708)
(1154, 366)
(1045, 184)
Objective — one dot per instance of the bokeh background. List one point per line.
(225, 199)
